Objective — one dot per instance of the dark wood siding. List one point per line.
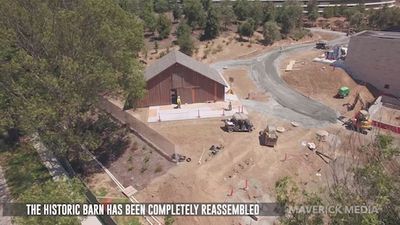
(191, 86)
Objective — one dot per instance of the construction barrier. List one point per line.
(160, 143)
(386, 126)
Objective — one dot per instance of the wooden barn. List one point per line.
(177, 74)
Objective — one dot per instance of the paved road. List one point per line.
(264, 72)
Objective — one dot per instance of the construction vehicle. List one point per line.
(239, 123)
(343, 92)
(269, 137)
(357, 99)
(321, 45)
(361, 122)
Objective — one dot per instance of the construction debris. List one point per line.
(268, 137)
(215, 149)
(280, 129)
(311, 145)
(322, 135)
(295, 124)
(238, 122)
(176, 157)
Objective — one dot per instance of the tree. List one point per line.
(206, 4)
(269, 12)
(176, 11)
(169, 220)
(290, 16)
(246, 29)
(312, 10)
(211, 30)
(161, 6)
(271, 32)
(61, 191)
(226, 14)
(185, 41)
(289, 196)
(57, 59)
(328, 12)
(242, 9)
(194, 13)
(257, 11)
(148, 16)
(164, 26)
(358, 21)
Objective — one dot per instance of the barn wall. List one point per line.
(191, 86)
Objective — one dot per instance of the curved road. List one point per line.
(264, 72)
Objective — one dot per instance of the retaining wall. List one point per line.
(160, 143)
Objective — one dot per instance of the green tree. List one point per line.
(242, 9)
(148, 16)
(185, 41)
(226, 14)
(289, 196)
(312, 10)
(289, 16)
(257, 11)
(269, 12)
(246, 29)
(194, 13)
(206, 4)
(57, 59)
(271, 32)
(328, 12)
(161, 6)
(169, 220)
(176, 10)
(358, 21)
(61, 191)
(211, 29)
(164, 26)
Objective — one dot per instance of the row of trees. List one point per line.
(212, 18)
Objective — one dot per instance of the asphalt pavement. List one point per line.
(264, 72)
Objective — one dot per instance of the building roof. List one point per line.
(177, 57)
(380, 34)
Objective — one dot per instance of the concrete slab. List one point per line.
(196, 111)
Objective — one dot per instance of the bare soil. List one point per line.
(139, 164)
(322, 81)
(242, 158)
(242, 85)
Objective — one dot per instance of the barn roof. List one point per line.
(177, 57)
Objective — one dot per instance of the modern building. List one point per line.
(322, 4)
(374, 57)
(177, 74)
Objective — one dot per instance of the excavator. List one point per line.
(361, 122)
(357, 99)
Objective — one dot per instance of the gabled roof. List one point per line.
(177, 57)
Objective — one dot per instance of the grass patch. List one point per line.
(23, 169)
(101, 192)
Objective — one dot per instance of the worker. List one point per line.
(230, 106)
(178, 102)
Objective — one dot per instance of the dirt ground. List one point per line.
(242, 158)
(322, 81)
(242, 85)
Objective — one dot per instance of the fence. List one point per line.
(164, 146)
(386, 126)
